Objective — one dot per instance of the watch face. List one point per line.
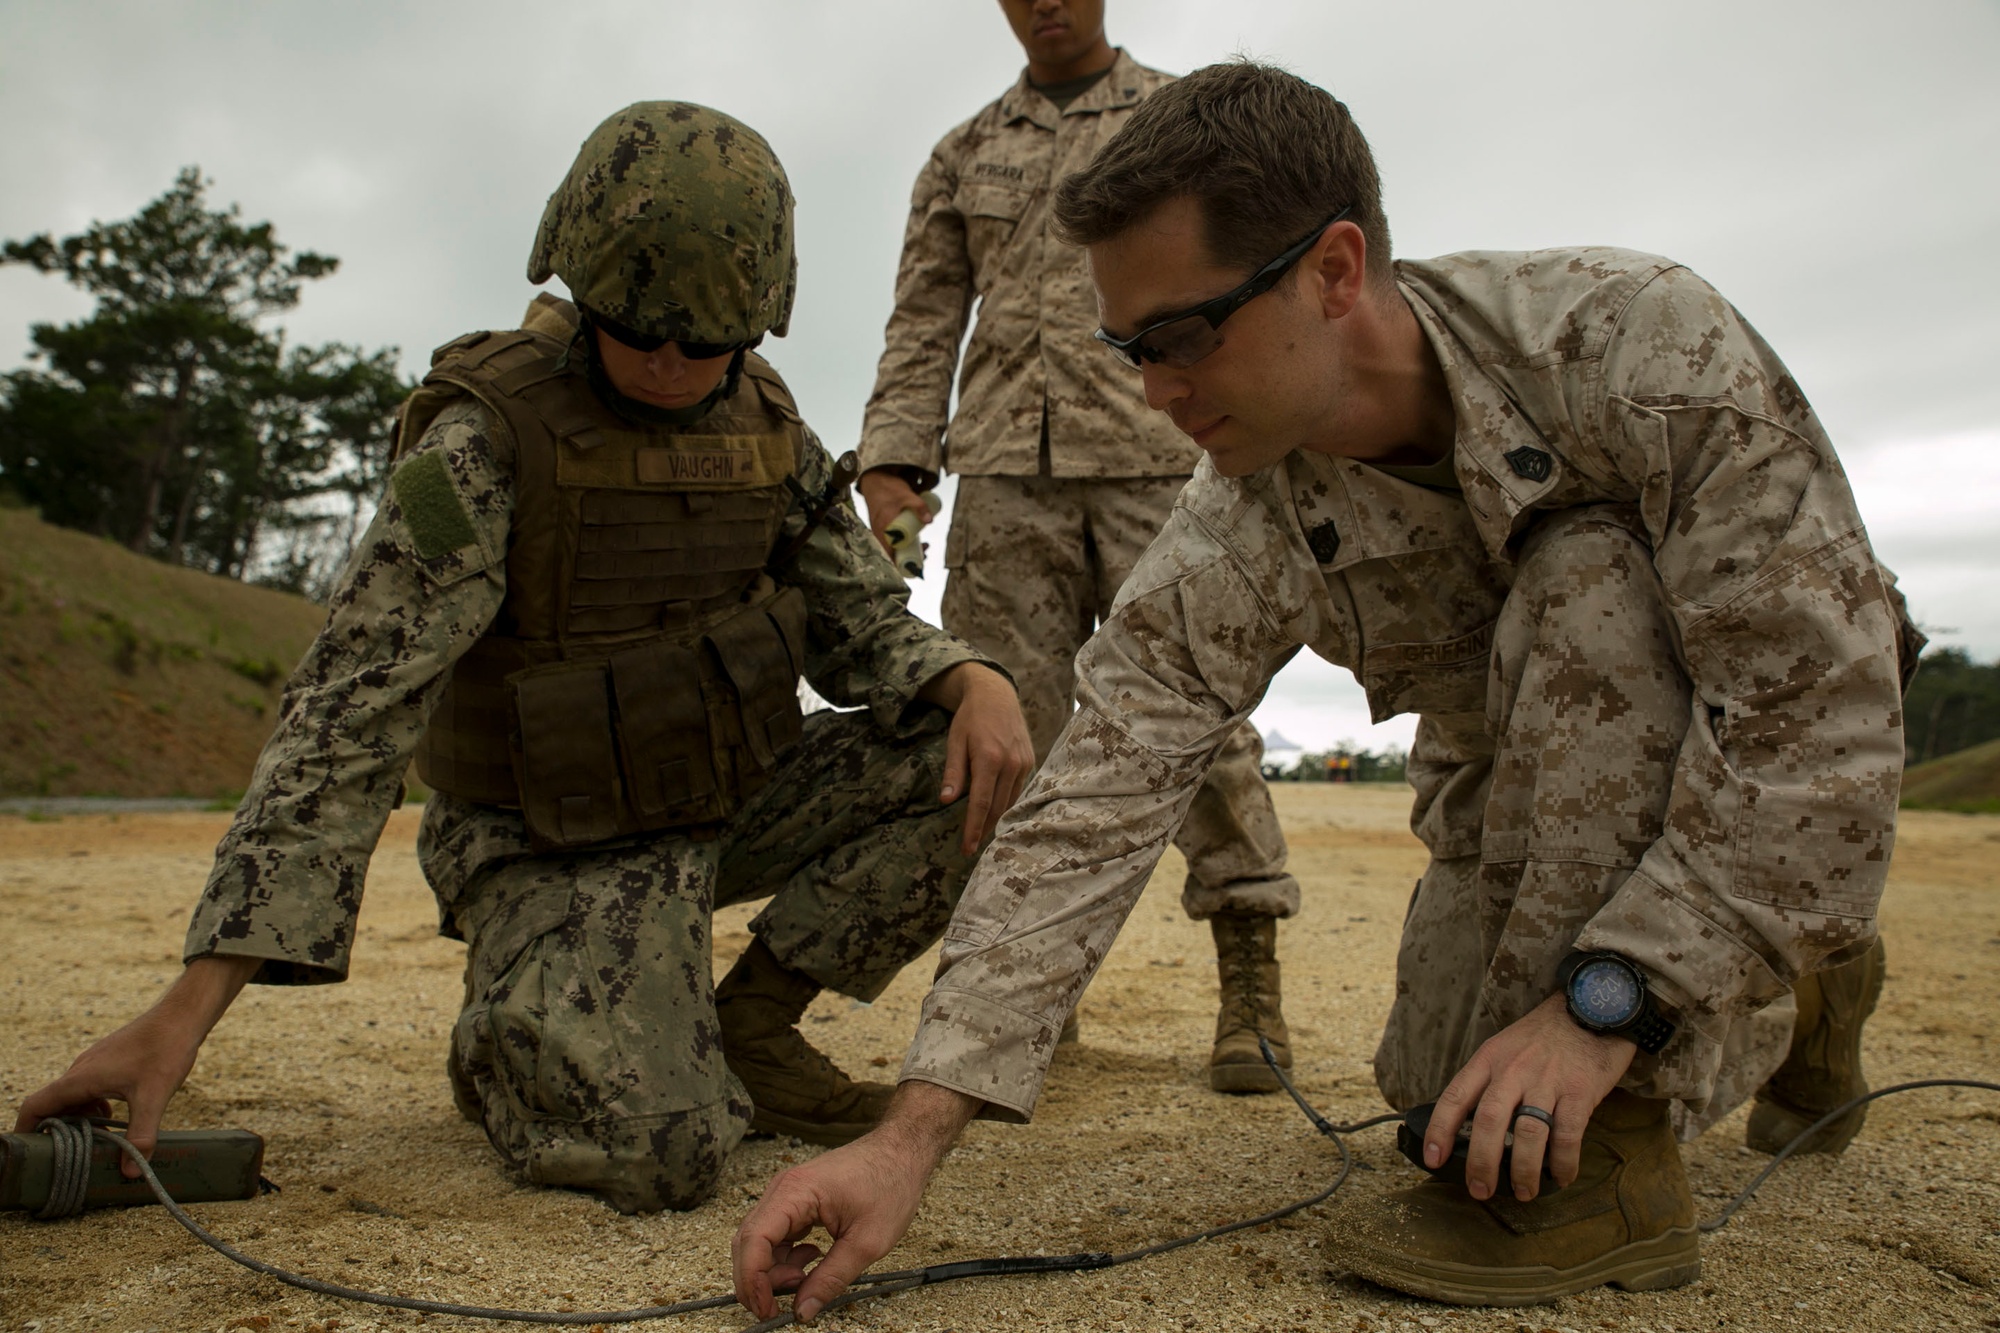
(1604, 993)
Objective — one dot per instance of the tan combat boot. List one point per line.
(1628, 1220)
(1824, 1067)
(1246, 955)
(796, 1090)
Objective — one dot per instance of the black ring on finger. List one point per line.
(1536, 1113)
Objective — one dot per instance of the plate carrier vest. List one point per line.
(642, 673)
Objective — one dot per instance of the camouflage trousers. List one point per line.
(1536, 812)
(588, 1046)
(1033, 565)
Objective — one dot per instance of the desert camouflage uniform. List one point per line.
(1657, 664)
(588, 1044)
(1064, 473)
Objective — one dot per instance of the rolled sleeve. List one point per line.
(1782, 814)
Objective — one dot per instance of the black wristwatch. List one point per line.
(1607, 994)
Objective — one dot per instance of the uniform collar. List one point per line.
(1504, 464)
(1121, 87)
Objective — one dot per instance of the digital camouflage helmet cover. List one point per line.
(675, 220)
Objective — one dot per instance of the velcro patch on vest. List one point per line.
(432, 511)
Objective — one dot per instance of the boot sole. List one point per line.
(1671, 1259)
(812, 1131)
(1242, 1078)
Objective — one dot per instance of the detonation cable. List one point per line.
(870, 1285)
(1721, 1219)
(72, 1163)
(69, 1172)
(334, 1289)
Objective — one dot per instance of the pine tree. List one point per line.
(173, 419)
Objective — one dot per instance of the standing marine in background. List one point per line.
(1065, 475)
(609, 551)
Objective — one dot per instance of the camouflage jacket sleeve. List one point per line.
(424, 583)
(1783, 808)
(904, 422)
(864, 648)
(1218, 604)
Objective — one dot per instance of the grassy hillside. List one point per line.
(121, 676)
(1967, 781)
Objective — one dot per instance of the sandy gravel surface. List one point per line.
(385, 1186)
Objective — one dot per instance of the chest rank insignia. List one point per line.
(1324, 540)
(1531, 463)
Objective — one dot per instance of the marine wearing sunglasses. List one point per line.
(671, 375)
(1186, 336)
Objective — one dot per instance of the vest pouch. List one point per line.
(664, 733)
(567, 758)
(761, 651)
(466, 747)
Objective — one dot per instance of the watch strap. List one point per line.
(1650, 1031)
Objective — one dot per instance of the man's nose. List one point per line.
(666, 362)
(1164, 385)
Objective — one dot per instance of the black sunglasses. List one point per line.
(1186, 336)
(646, 342)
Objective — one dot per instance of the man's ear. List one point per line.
(1339, 266)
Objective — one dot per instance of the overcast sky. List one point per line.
(1833, 167)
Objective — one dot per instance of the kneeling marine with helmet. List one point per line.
(609, 553)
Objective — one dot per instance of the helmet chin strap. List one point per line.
(640, 413)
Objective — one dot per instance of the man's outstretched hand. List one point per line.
(864, 1196)
(1542, 1060)
(144, 1063)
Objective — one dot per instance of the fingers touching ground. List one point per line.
(864, 1195)
(764, 1252)
(767, 1254)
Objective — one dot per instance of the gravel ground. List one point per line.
(385, 1186)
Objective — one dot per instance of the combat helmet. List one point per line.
(675, 221)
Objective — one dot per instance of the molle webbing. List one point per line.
(642, 672)
(640, 554)
(620, 527)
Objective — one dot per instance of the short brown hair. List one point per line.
(1265, 154)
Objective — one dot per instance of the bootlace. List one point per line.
(1242, 1000)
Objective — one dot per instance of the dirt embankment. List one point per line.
(1967, 782)
(123, 676)
(385, 1186)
